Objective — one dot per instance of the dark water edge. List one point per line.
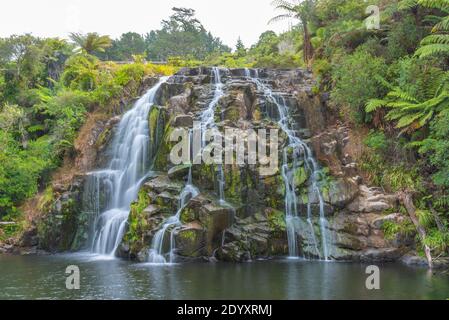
(43, 277)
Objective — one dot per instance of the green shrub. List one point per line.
(81, 73)
(436, 148)
(354, 78)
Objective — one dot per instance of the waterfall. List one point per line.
(207, 118)
(119, 183)
(301, 153)
(156, 253)
(208, 123)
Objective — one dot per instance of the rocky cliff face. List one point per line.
(251, 223)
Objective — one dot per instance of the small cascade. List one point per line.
(156, 253)
(208, 123)
(119, 183)
(300, 153)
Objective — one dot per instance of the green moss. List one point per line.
(300, 176)
(188, 215)
(137, 221)
(232, 114)
(189, 235)
(58, 229)
(392, 229)
(104, 138)
(163, 152)
(233, 185)
(276, 220)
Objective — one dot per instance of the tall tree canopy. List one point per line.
(183, 35)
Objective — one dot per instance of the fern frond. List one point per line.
(432, 19)
(442, 5)
(436, 39)
(375, 104)
(408, 120)
(281, 17)
(432, 49)
(381, 80)
(407, 4)
(283, 3)
(443, 25)
(423, 121)
(402, 95)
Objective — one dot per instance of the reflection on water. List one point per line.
(43, 277)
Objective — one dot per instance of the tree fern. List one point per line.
(411, 112)
(438, 42)
(432, 50)
(436, 39)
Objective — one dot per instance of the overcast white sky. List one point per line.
(227, 19)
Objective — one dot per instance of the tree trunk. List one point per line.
(407, 200)
(438, 221)
(308, 48)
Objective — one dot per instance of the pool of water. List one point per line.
(43, 277)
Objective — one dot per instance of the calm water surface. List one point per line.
(43, 277)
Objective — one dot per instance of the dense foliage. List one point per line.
(181, 35)
(391, 80)
(46, 90)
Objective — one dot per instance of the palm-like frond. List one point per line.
(284, 5)
(402, 96)
(437, 43)
(281, 17)
(91, 42)
(432, 50)
(443, 25)
(375, 104)
(431, 19)
(436, 39)
(407, 4)
(442, 5)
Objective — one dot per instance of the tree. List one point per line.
(240, 49)
(91, 42)
(182, 35)
(304, 11)
(123, 49)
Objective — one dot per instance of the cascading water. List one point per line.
(156, 254)
(208, 123)
(120, 182)
(300, 153)
(207, 119)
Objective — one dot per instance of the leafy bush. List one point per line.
(377, 141)
(354, 78)
(436, 148)
(81, 73)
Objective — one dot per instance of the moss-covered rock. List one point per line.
(63, 225)
(191, 241)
